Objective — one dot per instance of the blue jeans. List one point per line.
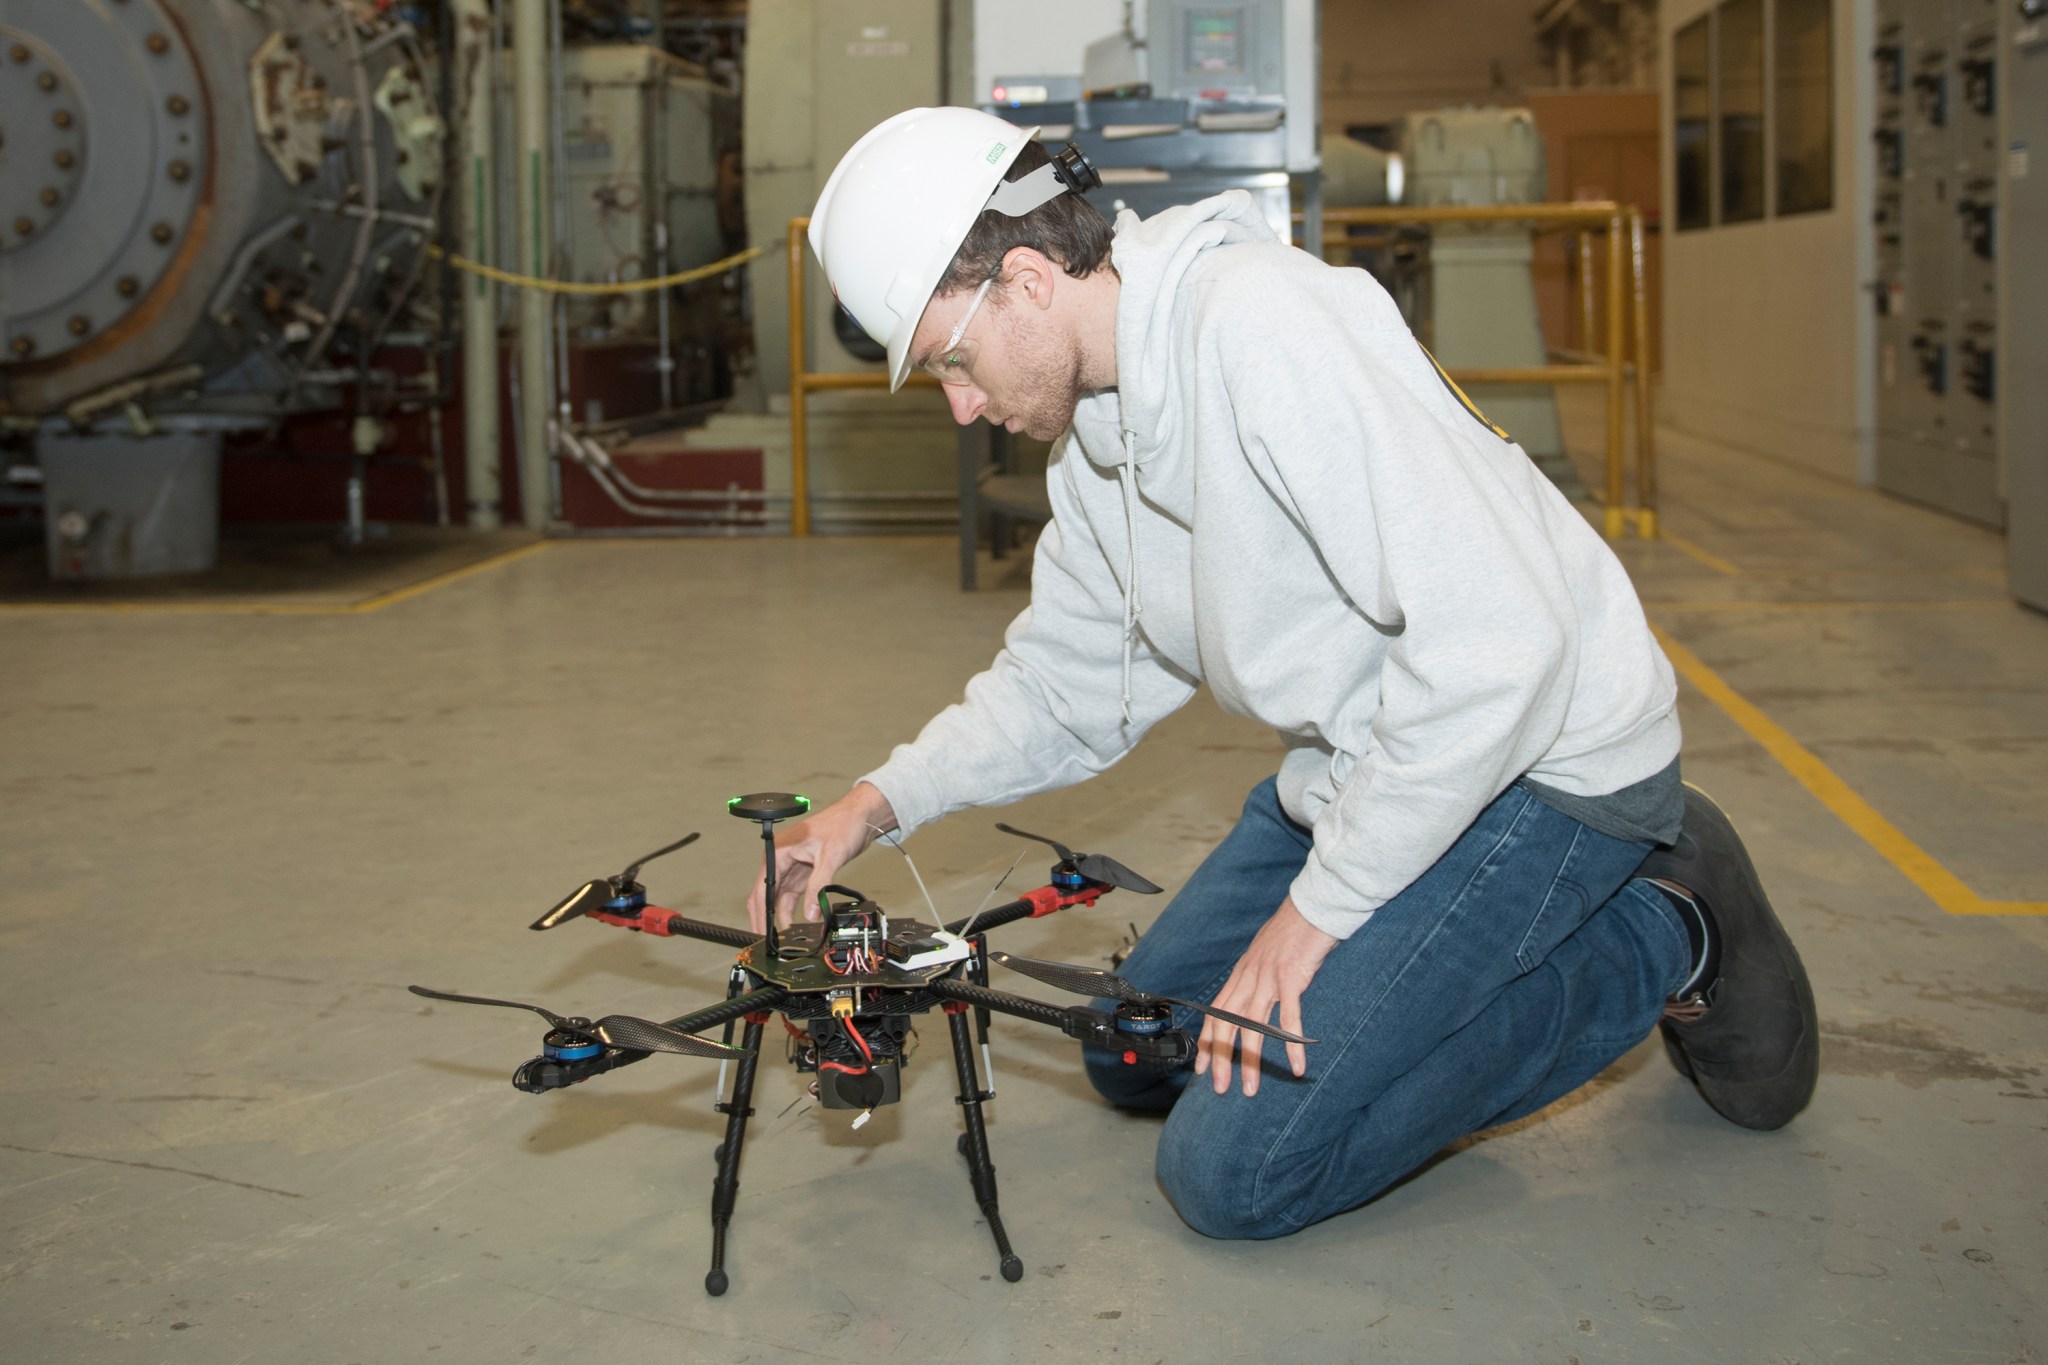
(1509, 974)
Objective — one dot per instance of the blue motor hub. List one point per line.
(1145, 1019)
(562, 1046)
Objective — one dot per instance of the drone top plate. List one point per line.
(799, 968)
(769, 806)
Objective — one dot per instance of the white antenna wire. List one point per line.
(882, 837)
(967, 931)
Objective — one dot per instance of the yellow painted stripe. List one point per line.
(1706, 557)
(357, 608)
(438, 581)
(1650, 528)
(1943, 887)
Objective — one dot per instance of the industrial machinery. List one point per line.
(848, 987)
(210, 210)
(1209, 97)
(637, 184)
(1467, 288)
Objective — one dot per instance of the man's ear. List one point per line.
(1031, 275)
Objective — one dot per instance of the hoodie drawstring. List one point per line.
(1132, 608)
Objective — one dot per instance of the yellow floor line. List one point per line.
(360, 607)
(427, 585)
(1943, 887)
(1686, 547)
(1706, 557)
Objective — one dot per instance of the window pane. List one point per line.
(1692, 106)
(1806, 106)
(1740, 44)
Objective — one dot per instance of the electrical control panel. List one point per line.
(1939, 160)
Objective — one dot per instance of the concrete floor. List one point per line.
(227, 1134)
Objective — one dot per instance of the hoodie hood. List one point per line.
(1153, 256)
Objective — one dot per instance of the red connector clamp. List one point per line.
(1046, 899)
(652, 919)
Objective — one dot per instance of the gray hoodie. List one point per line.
(1286, 501)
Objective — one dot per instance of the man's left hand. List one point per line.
(1276, 969)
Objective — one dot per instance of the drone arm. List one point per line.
(1031, 905)
(738, 1007)
(667, 923)
(1073, 1020)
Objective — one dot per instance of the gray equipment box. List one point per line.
(123, 506)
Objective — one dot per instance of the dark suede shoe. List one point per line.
(1749, 1041)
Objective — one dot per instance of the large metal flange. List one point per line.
(105, 159)
(42, 140)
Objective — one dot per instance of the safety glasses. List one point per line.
(953, 363)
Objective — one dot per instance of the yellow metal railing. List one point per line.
(803, 382)
(1622, 225)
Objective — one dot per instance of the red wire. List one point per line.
(859, 1041)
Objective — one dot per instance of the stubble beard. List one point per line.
(1047, 376)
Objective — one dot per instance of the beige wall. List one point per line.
(1383, 58)
(1767, 326)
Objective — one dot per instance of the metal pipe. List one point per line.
(1533, 374)
(369, 181)
(480, 435)
(799, 435)
(1585, 247)
(561, 251)
(533, 101)
(1646, 426)
(1593, 213)
(1617, 341)
(657, 179)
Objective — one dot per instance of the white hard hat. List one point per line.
(900, 203)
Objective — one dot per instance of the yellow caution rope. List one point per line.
(571, 287)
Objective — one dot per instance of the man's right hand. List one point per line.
(809, 853)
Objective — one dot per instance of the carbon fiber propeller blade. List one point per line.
(623, 1030)
(614, 1030)
(1067, 977)
(1103, 868)
(1098, 867)
(557, 1020)
(1053, 844)
(1094, 981)
(592, 895)
(634, 870)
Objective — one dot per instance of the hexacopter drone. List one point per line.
(847, 987)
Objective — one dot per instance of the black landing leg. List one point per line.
(974, 1143)
(726, 1189)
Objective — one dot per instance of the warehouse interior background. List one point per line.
(436, 471)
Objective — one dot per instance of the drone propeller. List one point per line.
(1096, 867)
(593, 895)
(614, 1030)
(1092, 981)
